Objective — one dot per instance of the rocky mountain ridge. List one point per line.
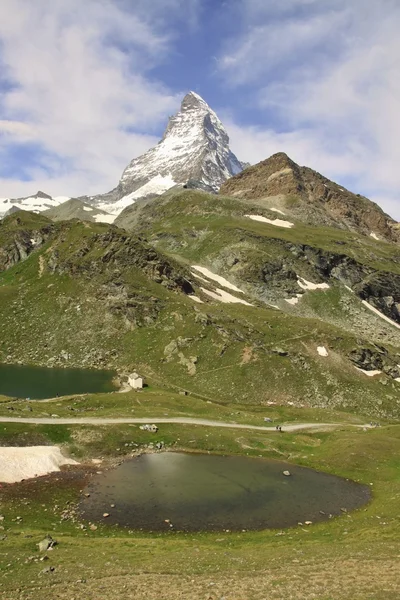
(95, 295)
(302, 193)
(37, 203)
(76, 209)
(194, 148)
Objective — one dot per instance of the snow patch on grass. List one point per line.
(322, 351)
(200, 278)
(221, 280)
(378, 312)
(368, 373)
(373, 235)
(26, 462)
(104, 218)
(308, 285)
(294, 300)
(276, 222)
(196, 299)
(223, 296)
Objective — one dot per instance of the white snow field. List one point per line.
(322, 351)
(277, 211)
(368, 373)
(157, 185)
(308, 285)
(18, 463)
(293, 300)
(373, 235)
(223, 296)
(276, 222)
(104, 218)
(33, 203)
(221, 280)
(200, 278)
(378, 312)
(195, 298)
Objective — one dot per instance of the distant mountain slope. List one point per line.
(76, 209)
(268, 255)
(195, 146)
(89, 294)
(36, 203)
(304, 194)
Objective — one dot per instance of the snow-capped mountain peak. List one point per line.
(36, 203)
(195, 146)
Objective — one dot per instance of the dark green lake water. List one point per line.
(195, 492)
(39, 383)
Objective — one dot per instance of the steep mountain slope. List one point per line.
(75, 209)
(90, 294)
(304, 194)
(195, 146)
(36, 203)
(335, 275)
(20, 234)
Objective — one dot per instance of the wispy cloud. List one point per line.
(76, 80)
(328, 74)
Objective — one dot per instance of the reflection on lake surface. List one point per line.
(192, 492)
(22, 381)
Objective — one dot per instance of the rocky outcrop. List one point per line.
(194, 149)
(311, 197)
(18, 242)
(377, 359)
(75, 209)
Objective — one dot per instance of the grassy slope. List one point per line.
(222, 220)
(212, 231)
(299, 563)
(45, 314)
(350, 558)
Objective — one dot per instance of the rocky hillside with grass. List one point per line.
(76, 209)
(304, 194)
(220, 307)
(270, 257)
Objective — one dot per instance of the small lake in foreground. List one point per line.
(38, 383)
(199, 492)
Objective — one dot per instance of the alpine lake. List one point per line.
(200, 492)
(39, 383)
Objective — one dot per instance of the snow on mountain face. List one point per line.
(37, 203)
(156, 186)
(195, 146)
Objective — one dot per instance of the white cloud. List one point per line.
(328, 74)
(77, 85)
(22, 130)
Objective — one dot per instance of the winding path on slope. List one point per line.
(178, 420)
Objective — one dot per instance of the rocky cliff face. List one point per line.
(20, 234)
(194, 148)
(311, 197)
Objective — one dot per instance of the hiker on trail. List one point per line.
(280, 429)
(277, 427)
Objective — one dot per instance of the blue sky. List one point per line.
(86, 86)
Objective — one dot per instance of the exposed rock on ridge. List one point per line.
(311, 197)
(195, 146)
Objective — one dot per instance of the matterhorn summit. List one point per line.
(194, 148)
